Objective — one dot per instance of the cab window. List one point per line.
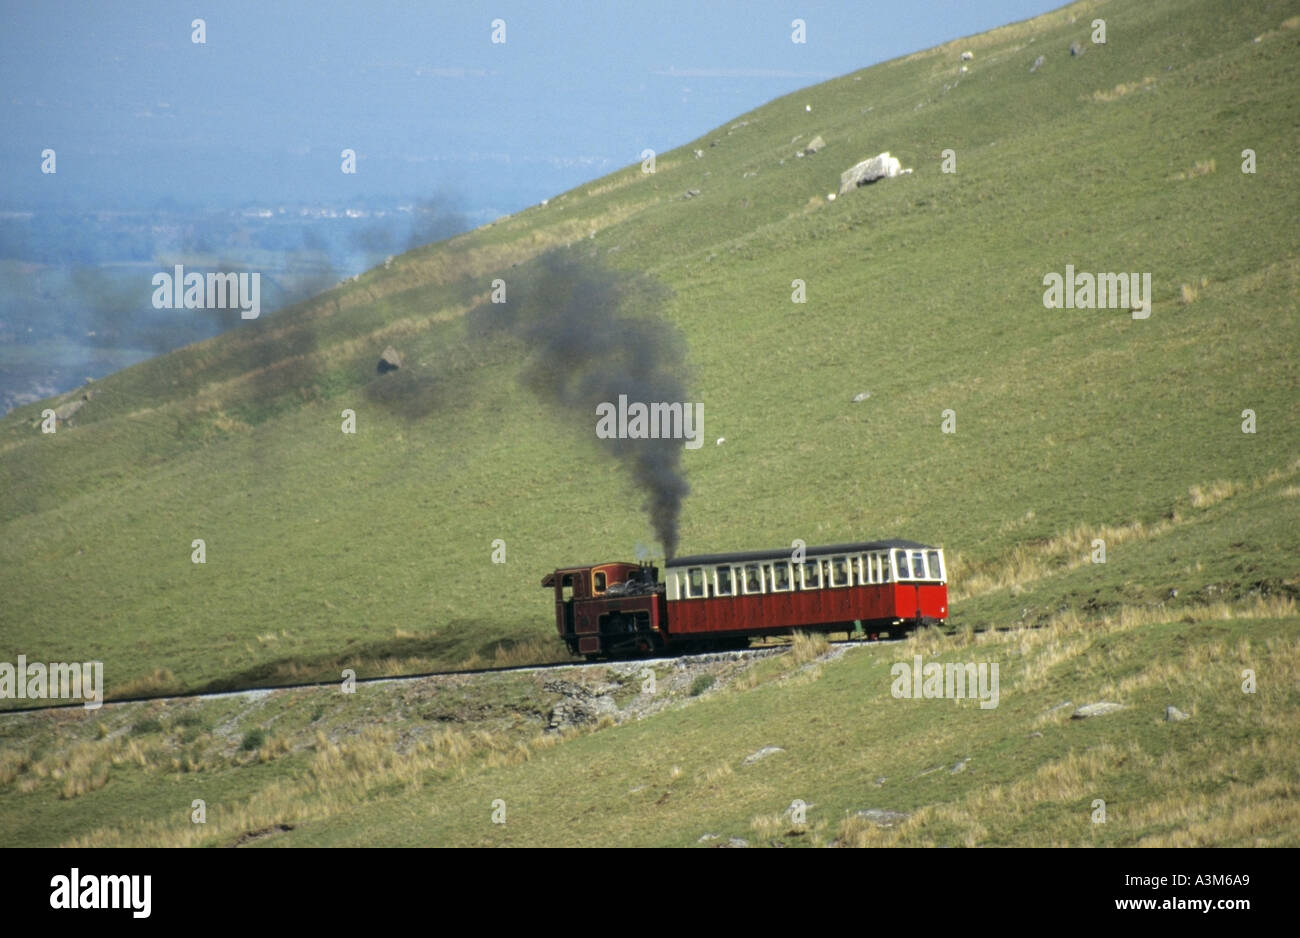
(600, 582)
(918, 565)
(936, 570)
(900, 563)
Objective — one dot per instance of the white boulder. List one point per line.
(882, 166)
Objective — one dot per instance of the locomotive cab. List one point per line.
(608, 608)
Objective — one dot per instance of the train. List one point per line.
(709, 602)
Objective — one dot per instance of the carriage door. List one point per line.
(908, 592)
(918, 573)
(566, 587)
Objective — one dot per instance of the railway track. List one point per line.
(754, 651)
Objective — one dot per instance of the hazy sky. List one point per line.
(137, 112)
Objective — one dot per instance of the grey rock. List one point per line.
(880, 782)
(967, 56)
(960, 766)
(391, 360)
(1035, 735)
(705, 838)
(691, 193)
(1174, 715)
(65, 413)
(1076, 50)
(1061, 706)
(859, 398)
(1095, 710)
(735, 842)
(761, 754)
(881, 166)
(815, 144)
(1038, 63)
(882, 818)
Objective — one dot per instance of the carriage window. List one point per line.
(753, 579)
(724, 581)
(840, 571)
(936, 570)
(918, 565)
(600, 582)
(812, 575)
(696, 582)
(900, 561)
(780, 574)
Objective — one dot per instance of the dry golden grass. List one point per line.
(717, 774)
(340, 774)
(159, 681)
(12, 764)
(807, 646)
(857, 831)
(1035, 560)
(533, 651)
(769, 826)
(1199, 168)
(1124, 88)
(1213, 494)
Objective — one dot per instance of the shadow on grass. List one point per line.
(395, 657)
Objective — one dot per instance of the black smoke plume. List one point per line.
(591, 334)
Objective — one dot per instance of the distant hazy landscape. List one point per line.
(75, 285)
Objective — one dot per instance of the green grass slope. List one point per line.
(373, 550)
(453, 761)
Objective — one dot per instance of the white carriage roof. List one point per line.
(860, 547)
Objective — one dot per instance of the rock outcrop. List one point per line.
(882, 166)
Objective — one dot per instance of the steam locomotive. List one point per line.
(718, 601)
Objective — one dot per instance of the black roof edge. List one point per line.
(704, 560)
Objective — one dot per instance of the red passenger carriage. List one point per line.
(721, 600)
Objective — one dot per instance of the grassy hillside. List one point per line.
(430, 763)
(373, 550)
